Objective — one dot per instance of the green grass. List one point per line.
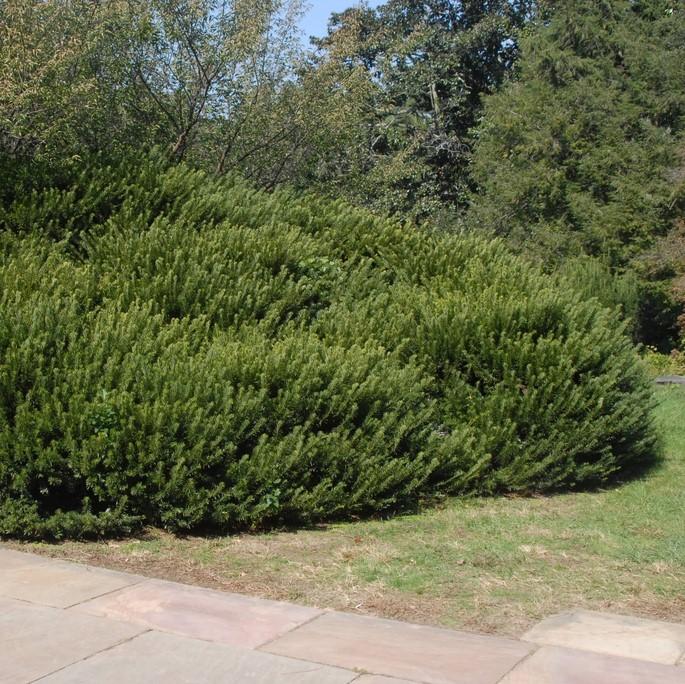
(492, 564)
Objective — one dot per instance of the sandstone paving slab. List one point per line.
(659, 642)
(380, 679)
(7, 605)
(10, 559)
(405, 651)
(37, 640)
(556, 665)
(201, 613)
(56, 583)
(168, 658)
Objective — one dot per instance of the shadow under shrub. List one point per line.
(237, 360)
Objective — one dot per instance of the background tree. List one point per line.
(288, 125)
(188, 75)
(63, 78)
(427, 66)
(581, 153)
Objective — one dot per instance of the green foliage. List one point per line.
(593, 278)
(664, 364)
(582, 152)
(427, 65)
(202, 79)
(192, 353)
(663, 269)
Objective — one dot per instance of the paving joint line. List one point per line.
(357, 671)
(528, 656)
(29, 602)
(387, 676)
(354, 671)
(258, 647)
(680, 660)
(91, 655)
(107, 593)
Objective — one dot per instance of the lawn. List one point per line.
(492, 565)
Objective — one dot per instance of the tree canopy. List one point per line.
(558, 126)
(427, 65)
(193, 76)
(582, 151)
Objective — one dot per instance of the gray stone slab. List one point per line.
(659, 642)
(395, 649)
(201, 613)
(10, 559)
(37, 640)
(670, 380)
(7, 605)
(555, 665)
(380, 679)
(157, 657)
(56, 583)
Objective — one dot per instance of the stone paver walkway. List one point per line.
(62, 622)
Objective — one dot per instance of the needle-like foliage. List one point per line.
(192, 353)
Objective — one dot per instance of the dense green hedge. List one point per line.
(191, 353)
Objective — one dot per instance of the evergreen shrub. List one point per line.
(187, 352)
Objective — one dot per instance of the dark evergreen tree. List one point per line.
(582, 152)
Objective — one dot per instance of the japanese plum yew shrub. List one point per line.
(191, 353)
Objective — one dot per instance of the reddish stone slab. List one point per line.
(621, 635)
(201, 613)
(50, 582)
(395, 649)
(555, 665)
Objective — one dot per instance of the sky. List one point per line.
(316, 20)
